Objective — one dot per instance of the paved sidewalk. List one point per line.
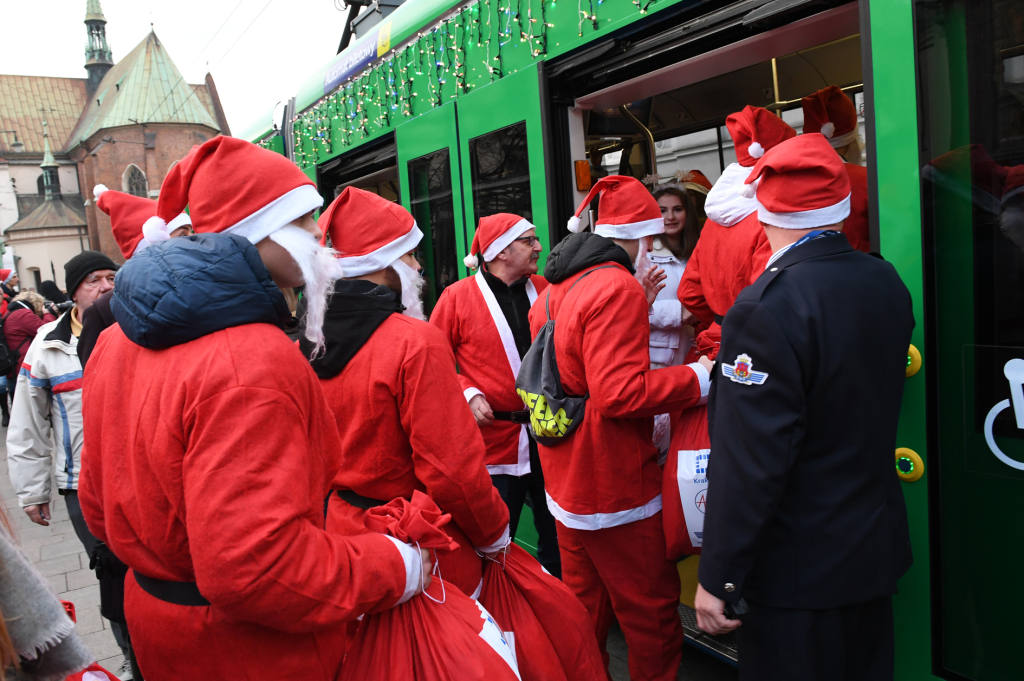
(60, 557)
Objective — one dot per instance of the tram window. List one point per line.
(971, 84)
(501, 172)
(430, 194)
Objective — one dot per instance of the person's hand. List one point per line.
(706, 363)
(689, 319)
(428, 569)
(481, 411)
(38, 513)
(653, 281)
(711, 614)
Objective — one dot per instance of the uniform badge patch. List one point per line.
(742, 371)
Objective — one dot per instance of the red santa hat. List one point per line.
(800, 184)
(235, 187)
(627, 209)
(754, 131)
(494, 234)
(833, 114)
(127, 214)
(368, 231)
(694, 180)
(5, 275)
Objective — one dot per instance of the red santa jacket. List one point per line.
(469, 317)
(725, 261)
(857, 226)
(405, 426)
(606, 473)
(209, 462)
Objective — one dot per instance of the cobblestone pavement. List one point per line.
(60, 557)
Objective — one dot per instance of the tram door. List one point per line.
(971, 80)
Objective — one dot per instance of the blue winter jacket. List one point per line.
(189, 287)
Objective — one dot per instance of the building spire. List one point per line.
(98, 59)
(51, 180)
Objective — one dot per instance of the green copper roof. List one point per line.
(48, 161)
(93, 11)
(144, 87)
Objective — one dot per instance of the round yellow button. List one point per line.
(913, 361)
(909, 465)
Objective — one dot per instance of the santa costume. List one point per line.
(392, 385)
(486, 323)
(209, 448)
(604, 483)
(830, 112)
(732, 248)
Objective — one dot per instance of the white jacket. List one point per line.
(48, 398)
(670, 338)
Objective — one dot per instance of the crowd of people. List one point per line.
(225, 478)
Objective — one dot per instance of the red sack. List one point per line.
(439, 635)
(550, 629)
(93, 672)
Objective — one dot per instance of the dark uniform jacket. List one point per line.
(804, 506)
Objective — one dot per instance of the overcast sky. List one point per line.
(259, 57)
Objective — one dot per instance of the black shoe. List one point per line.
(7, 420)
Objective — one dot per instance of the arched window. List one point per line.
(134, 181)
(41, 185)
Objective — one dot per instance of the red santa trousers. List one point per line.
(622, 572)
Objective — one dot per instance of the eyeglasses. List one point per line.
(530, 240)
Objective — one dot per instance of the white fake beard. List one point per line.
(642, 262)
(413, 284)
(320, 269)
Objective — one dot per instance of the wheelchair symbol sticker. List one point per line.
(1014, 373)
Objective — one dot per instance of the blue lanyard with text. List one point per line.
(814, 235)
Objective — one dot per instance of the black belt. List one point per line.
(522, 416)
(177, 593)
(719, 319)
(358, 500)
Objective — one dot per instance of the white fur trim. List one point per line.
(506, 239)
(828, 129)
(843, 140)
(598, 521)
(413, 568)
(99, 190)
(725, 205)
(749, 190)
(703, 378)
(807, 219)
(502, 542)
(470, 393)
(179, 222)
(358, 265)
(471, 261)
(755, 150)
(155, 230)
(574, 224)
(632, 230)
(278, 213)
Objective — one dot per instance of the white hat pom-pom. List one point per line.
(749, 191)
(828, 130)
(99, 190)
(471, 261)
(155, 230)
(574, 224)
(755, 150)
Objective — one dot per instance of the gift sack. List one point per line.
(552, 633)
(685, 484)
(438, 635)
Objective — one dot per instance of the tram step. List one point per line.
(722, 647)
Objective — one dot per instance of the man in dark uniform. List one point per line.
(806, 524)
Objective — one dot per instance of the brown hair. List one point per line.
(692, 225)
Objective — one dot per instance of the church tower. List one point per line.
(98, 59)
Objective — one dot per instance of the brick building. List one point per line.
(124, 125)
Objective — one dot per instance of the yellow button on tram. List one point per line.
(913, 361)
(909, 465)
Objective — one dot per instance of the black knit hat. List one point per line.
(81, 266)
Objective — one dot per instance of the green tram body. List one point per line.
(441, 89)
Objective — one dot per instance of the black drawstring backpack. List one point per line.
(553, 414)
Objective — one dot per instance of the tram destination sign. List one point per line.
(354, 60)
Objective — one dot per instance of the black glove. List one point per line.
(103, 560)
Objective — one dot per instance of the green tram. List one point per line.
(462, 109)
